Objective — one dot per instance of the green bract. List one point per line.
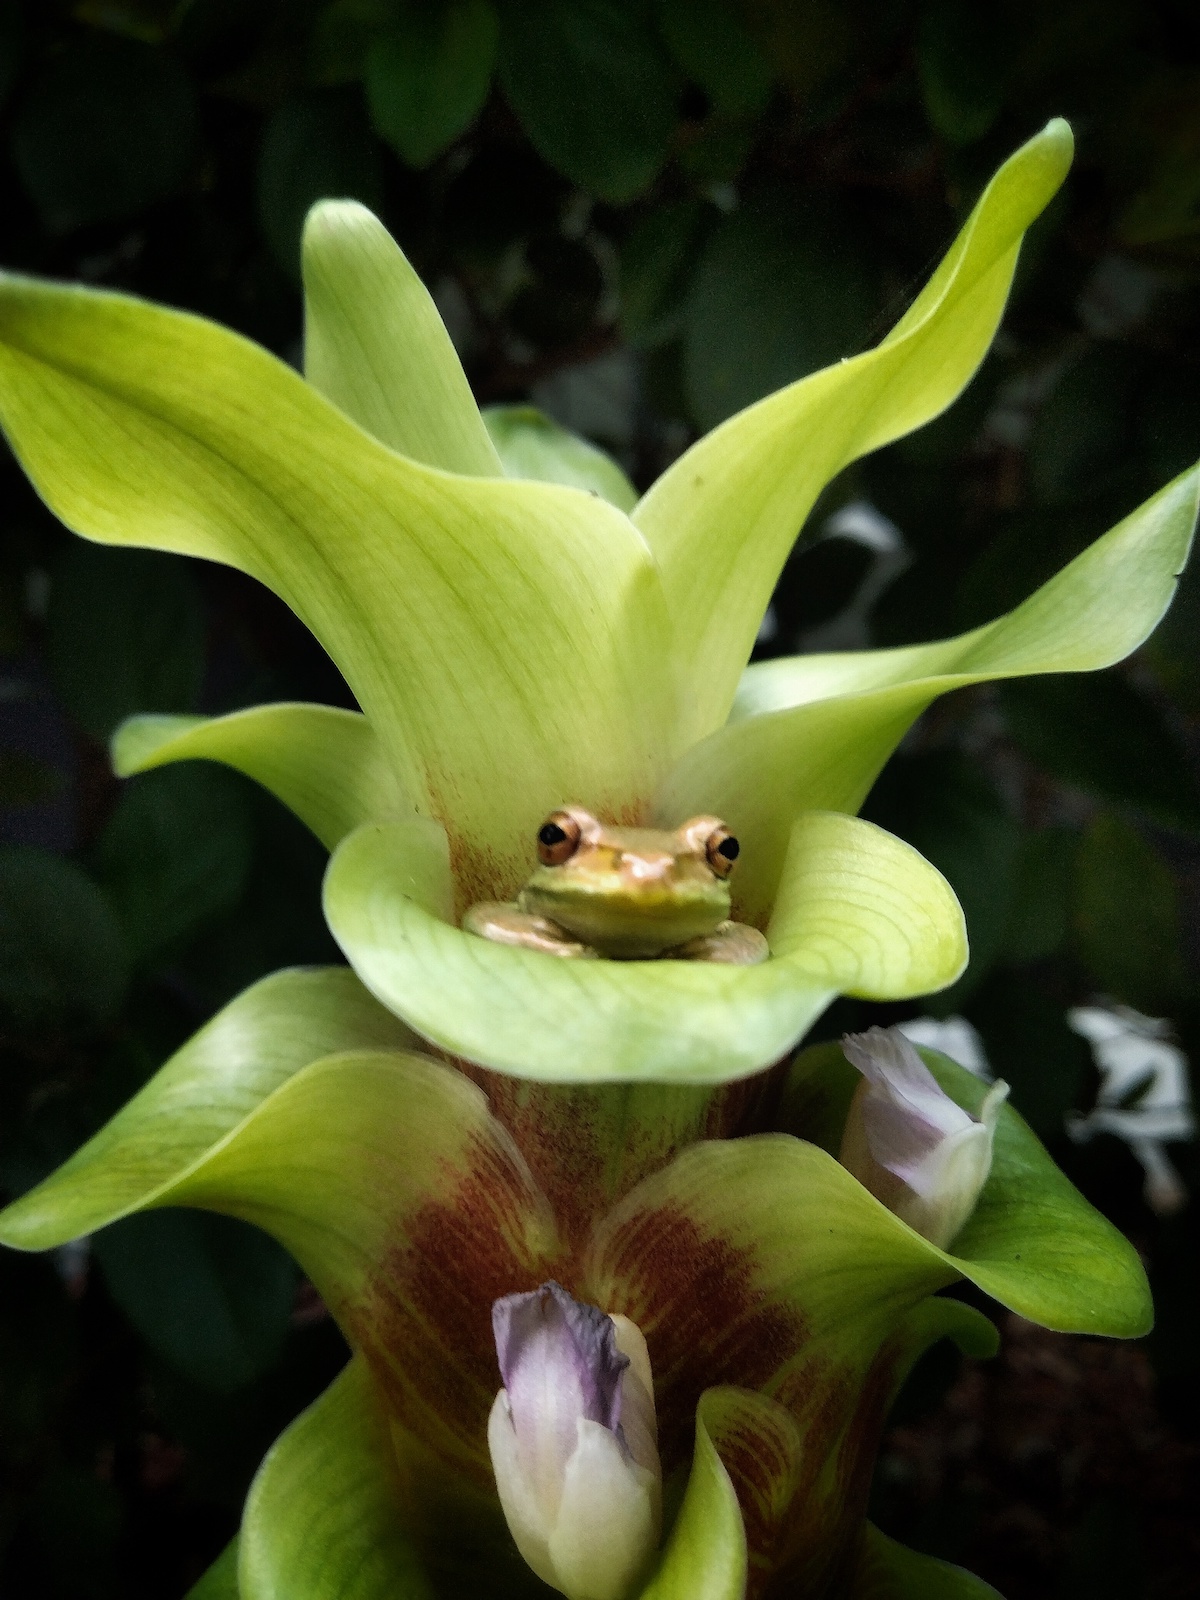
(457, 1120)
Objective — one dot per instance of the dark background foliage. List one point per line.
(643, 214)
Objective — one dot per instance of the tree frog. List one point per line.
(627, 893)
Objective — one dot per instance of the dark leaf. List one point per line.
(126, 634)
(780, 291)
(964, 56)
(63, 954)
(1126, 917)
(656, 262)
(315, 147)
(107, 129)
(427, 76)
(942, 804)
(1101, 735)
(1040, 918)
(593, 87)
(175, 853)
(212, 1295)
(715, 49)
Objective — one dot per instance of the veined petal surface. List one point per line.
(325, 764)
(223, 1073)
(508, 640)
(704, 1557)
(802, 1483)
(814, 731)
(323, 1519)
(858, 912)
(375, 345)
(1033, 1243)
(723, 518)
(754, 1262)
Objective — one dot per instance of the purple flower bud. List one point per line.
(906, 1141)
(573, 1442)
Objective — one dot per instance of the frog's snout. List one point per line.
(646, 866)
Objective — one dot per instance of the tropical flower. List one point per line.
(909, 1142)
(454, 1121)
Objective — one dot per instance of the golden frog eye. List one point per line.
(722, 851)
(558, 839)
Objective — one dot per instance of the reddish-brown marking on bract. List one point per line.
(826, 1523)
(706, 1321)
(762, 1456)
(589, 1146)
(425, 1320)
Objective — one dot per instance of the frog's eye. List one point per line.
(558, 839)
(722, 851)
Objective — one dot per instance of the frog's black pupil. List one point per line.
(551, 834)
(729, 848)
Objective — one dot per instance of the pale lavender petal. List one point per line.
(905, 1112)
(560, 1363)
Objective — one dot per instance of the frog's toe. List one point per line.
(505, 923)
(734, 943)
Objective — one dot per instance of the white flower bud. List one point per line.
(574, 1443)
(906, 1141)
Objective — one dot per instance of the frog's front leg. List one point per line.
(734, 943)
(504, 922)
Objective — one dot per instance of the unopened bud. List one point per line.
(906, 1141)
(573, 1441)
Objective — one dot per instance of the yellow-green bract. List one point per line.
(516, 645)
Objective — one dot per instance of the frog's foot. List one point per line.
(732, 942)
(505, 923)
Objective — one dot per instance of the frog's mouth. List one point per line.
(630, 924)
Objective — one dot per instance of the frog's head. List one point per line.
(631, 892)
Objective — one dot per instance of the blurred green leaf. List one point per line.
(341, 36)
(593, 87)
(150, 21)
(126, 634)
(964, 55)
(63, 955)
(1126, 916)
(780, 290)
(38, 1351)
(1031, 546)
(1102, 736)
(212, 1295)
(106, 130)
(78, 1517)
(317, 146)
(12, 44)
(24, 780)
(220, 1582)
(1030, 1046)
(1040, 918)
(1080, 444)
(944, 806)
(175, 853)
(656, 262)
(532, 445)
(278, 922)
(427, 77)
(713, 46)
(1105, 1555)
(1168, 421)
(719, 149)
